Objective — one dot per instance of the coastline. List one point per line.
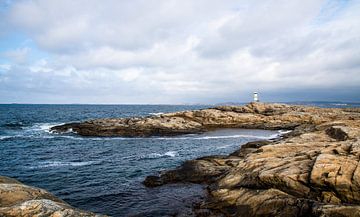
(312, 170)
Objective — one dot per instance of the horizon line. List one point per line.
(300, 101)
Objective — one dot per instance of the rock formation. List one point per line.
(253, 115)
(17, 199)
(312, 171)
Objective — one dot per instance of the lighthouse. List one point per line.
(256, 99)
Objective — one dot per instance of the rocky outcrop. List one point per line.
(17, 199)
(253, 115)
(312, 171)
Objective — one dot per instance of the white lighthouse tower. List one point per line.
(256, 98)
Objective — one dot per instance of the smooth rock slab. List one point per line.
(312, 171)
(17, 199)
(252, 116)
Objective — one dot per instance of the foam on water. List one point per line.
(156, 113)
(224, 146)
(42, 130)
(158, 155)
(340, 104)
(282, 132)
(46, 164)
(183, 137)
(104, 174)
(4, 137)
(238, 136)
(45, 127)
(171, 153)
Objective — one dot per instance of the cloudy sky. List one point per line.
(178, 51)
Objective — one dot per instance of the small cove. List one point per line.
(104, 175)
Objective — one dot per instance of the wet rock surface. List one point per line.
(17, 199)
(311, 171)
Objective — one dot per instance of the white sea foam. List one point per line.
(45, 127)
(282, 132)
(340, 104)
(223, 146)
(171, 153)
(236, 136)
(158, 155)
(156, 113)
(46, 164)
(4, 137)
(68, 131)
(186, 137)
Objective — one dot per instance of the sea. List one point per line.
(105, 175)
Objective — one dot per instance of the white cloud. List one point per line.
(18, 55)
(5, 67)
(184, 51)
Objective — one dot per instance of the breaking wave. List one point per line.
(158, 155)
(45, 127)
(4, 137)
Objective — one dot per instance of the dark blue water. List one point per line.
(104, 175)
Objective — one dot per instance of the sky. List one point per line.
(178, 51)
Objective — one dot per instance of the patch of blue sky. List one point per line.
(5, 4)
(12, 41)
(330, 10)
(17, 40)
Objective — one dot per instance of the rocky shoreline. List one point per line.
(251, 116)
(17, 199)
(311, 171)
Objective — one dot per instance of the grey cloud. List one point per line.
(71, 26)
(184, 51)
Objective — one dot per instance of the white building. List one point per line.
(256, 98)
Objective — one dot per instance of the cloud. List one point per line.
(18, 55)
(181, 51)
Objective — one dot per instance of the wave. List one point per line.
(171, 153)
(156, 113)
(45, 127)
(5, 137)
(36, 130)
(27, 127)
(61, 164)
(157, 155)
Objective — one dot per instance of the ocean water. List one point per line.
(104, 175)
